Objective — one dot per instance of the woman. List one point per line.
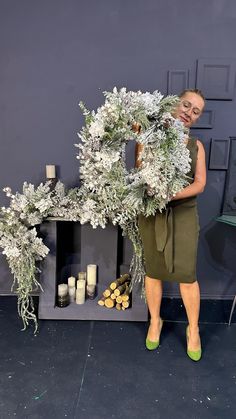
(170, 238)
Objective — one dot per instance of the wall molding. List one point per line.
(219, 154)
(177, 81)
(229, 205)
(216, 77)
(206, 120)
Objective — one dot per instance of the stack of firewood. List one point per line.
(117, 295)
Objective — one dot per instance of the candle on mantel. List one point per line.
(80, 281)
(80, 292)
(91, 274)
(71, 281)
(82, 275)
(50, 171)
(91, 289)
(72, 294)
(62, 290)
(62, 300)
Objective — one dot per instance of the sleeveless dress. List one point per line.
(170, 238)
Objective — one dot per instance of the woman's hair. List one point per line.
(196, 91)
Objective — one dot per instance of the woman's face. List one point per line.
(189, 109)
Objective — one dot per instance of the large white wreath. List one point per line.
(108, 192)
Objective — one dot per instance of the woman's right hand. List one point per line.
(136, 127)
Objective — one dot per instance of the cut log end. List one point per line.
(109, 303)
(119, 299)
(124, 278)
(106, 293)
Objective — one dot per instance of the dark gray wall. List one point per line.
(55, 53)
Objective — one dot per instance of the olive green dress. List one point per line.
(170, 238)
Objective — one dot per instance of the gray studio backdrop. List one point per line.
(54, 53)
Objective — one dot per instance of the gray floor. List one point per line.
(101, 370)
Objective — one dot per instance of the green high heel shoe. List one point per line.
(193, 355)
(152, 345)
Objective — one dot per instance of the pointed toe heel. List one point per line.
(152, 345)
(193, 355)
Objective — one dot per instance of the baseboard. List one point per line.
(211, 311)
(172, 309)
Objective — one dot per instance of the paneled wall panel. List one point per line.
(178, 80)
(216, 77)
(229, 206)
(219, 154)
(206, 121)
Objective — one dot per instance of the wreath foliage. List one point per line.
(108, 191)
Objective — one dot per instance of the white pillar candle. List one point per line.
(91, 274)
(62, 290)
(80, 292)
(91, 289)
(71, 281)
(82, 275)
(72, 294)
(50, 171)
(80, 281)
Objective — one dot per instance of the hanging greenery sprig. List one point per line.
(19, 237)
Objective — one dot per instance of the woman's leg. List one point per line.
(191, 298)
(153, 289)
